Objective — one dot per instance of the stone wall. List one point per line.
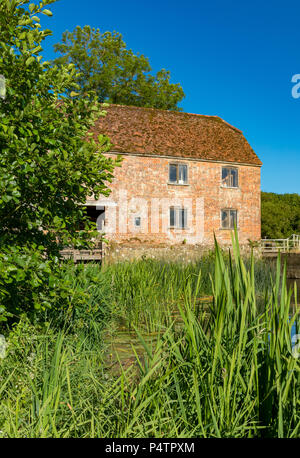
(184, 253)
(140, 188)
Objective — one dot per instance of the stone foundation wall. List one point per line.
(174, 253)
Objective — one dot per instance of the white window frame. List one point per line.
(178, 182)
(229, 210)
(177, 218)
(229, 168)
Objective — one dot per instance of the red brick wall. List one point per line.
(146, 178)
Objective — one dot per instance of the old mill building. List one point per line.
(184, 177)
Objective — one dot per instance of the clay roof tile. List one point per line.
(155, 132)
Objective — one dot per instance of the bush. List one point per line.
(27, 281)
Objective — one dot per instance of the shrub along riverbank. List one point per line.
(226, 371)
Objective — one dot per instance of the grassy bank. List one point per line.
(227, 370)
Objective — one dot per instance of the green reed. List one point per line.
(228, 370)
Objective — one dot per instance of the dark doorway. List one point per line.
(97, 215)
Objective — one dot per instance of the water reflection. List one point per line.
(290, 285)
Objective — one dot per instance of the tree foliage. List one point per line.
(49, 163)
(280, 215)
(115, 73)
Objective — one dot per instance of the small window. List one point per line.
(229, 177)
(178, 174)
(137, 221)
(178, 218)
(228, 219)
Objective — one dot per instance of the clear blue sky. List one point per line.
(234, 59)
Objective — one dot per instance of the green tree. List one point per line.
(49, 162)
(115, 73)
(280, 215)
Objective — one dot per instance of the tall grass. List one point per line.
(146, 291)
(235, 372)
(226, 371)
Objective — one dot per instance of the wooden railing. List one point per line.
(292, 243)
(83, 255)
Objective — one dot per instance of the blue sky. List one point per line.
(234, 59)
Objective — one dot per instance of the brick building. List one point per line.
(183, 178)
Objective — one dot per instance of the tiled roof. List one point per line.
(149, 131)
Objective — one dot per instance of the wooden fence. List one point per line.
(267, 246)
(292, 243)
(95, 255)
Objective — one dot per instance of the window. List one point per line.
(137, 221)
(178, 218)
(228, 218)
(178, 174)
(229, 177)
